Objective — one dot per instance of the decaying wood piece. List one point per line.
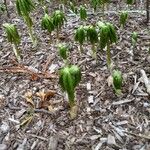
(146, 80)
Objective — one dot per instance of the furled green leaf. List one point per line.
(117, 79)
(123, 18)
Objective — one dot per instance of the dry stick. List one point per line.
(146, 80)
(26, 70)
(138, 135)
(147, 10)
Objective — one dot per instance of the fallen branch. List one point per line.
(27, 70)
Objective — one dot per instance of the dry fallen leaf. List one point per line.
(29, 98)
(44, 98)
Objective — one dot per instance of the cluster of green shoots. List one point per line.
(105, 36)
(56, 21)
(70, 76)
(99, 3)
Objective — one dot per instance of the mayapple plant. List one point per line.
(24, 7)
(47, 24)
(63, 52)
(107, 37)
(58, 20)
(134, 37)
(123, 18)
(69, 78)
(92, 36)
(117, 81)
(83, 13)
(13, 37)
(80, 36)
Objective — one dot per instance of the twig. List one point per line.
(39, 137)
(146, 80)
(138, 135)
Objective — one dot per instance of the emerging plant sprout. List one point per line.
(117, 81)
(69, 79)
(58, 21)
(107, 37)
(134, 37)
(80, 36)
(13, 37)
(73, 8)
(130, 2)
(94, 4)
(63, 52)
(83, 13)
(47, 24)
(24, 7)
(123, 18)
(92, 36)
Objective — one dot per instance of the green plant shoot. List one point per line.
(123, 18)
(68, 80)
(73, 8)
(63, 52)
(58, 21)
(24, 7)
(130, 2)
(134, 37)
(107, 37)
(94, 3)
(92, 36)
(13, 37)
(83, 13)
(117, 81)
(80, 36)
(47, 24)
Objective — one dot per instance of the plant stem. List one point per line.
(94, 51)
(71, 97)
(80, 48)
(57, 33)
(33, 39)
(16, 51)
(108, 55)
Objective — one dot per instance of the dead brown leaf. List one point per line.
(29, 98)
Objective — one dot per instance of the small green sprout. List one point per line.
(92, 36)
(117, 81)
(47, 24)
(107, 37)
(134, 37)
(73, 8)
(63, 52)
(130, 2)
(24, 7)
(80, 36)
(94, 3)
(83, 13)
(68, 80)
(123, 18)
(58, 20)
(13, 37)
(2, 8)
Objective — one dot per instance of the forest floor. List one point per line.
(33, 110)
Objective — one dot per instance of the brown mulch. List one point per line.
(33, 110)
